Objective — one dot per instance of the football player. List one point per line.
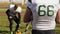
(46, 13)
(13, 13)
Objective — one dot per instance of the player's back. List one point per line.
(44, 13)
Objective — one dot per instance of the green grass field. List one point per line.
(4, 24)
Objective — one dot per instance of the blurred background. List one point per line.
(4, 23)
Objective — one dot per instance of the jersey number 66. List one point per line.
(48, 12)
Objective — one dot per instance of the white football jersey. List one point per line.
(11, 7)
(19, 9)
(44, 13)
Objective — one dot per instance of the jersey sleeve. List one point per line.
(19, 9)
(58, 6)
(29, 4)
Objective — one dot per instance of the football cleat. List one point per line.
(18, 32)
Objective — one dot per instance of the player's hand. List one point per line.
(10, 17)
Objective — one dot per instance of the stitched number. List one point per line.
(49, 12)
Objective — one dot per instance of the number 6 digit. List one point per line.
(50, 12)
(41, 12)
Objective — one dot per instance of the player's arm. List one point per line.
(7, 12)
(58, 17)
(18, 15)
(27, 17)
(18, 11)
